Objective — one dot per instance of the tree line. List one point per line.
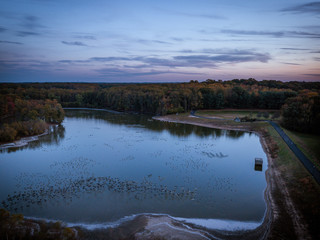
(165, 98)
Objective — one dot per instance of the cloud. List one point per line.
(317, 59)
(27, 34)
(294, 64)
(312, 7)
(76, 43)
(31, 22)
(2, 29)
(224, 58)
(30, 25)
(303, 34)
(86, 37)
(127, 74)
(317, 75)
(144, 41)
(178, 39)
(252, 32)
(277, 34)
(109, 59)
(221, 51)
(73, 61)
(140, 66)
(195, 15)
(26, 64)
(296, 49)
(207, 16)
(8, 64)
(10, 42)
(211, 58)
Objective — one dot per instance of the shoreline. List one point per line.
(205, 223)
(95, 109)
(23, 141)
(263, 230)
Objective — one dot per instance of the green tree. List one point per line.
(302, 114)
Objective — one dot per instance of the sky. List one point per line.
(158, 41)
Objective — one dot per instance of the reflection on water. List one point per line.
(182, 130)
(100, 167)
(56, 134)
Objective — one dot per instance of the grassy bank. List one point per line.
(303, 189)
(308, 144)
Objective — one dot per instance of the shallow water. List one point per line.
(99, 167)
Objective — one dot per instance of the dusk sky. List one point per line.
(158, 41)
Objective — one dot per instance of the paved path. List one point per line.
(300, 155)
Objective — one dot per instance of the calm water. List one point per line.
(99, 167)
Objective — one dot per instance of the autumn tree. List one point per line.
(302, 113)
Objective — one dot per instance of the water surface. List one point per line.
(99, 167)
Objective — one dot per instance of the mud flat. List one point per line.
(153, 226)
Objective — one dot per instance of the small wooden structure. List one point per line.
(237, 119)
(258, 162)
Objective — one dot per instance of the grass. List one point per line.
(233, 113)
(303, 189)
(308, 144)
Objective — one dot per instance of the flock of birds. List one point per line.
(69, 179)
(137, 190)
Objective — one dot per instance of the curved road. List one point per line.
(300, 155)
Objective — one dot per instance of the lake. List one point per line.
(99, 167)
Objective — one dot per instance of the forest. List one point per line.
(22, 118)
(26, 108)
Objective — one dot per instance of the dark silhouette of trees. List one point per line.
(302, 113)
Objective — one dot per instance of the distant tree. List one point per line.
(302, 114)
(7, 133)
(239, 97)
(275, 115)
(208, 98)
